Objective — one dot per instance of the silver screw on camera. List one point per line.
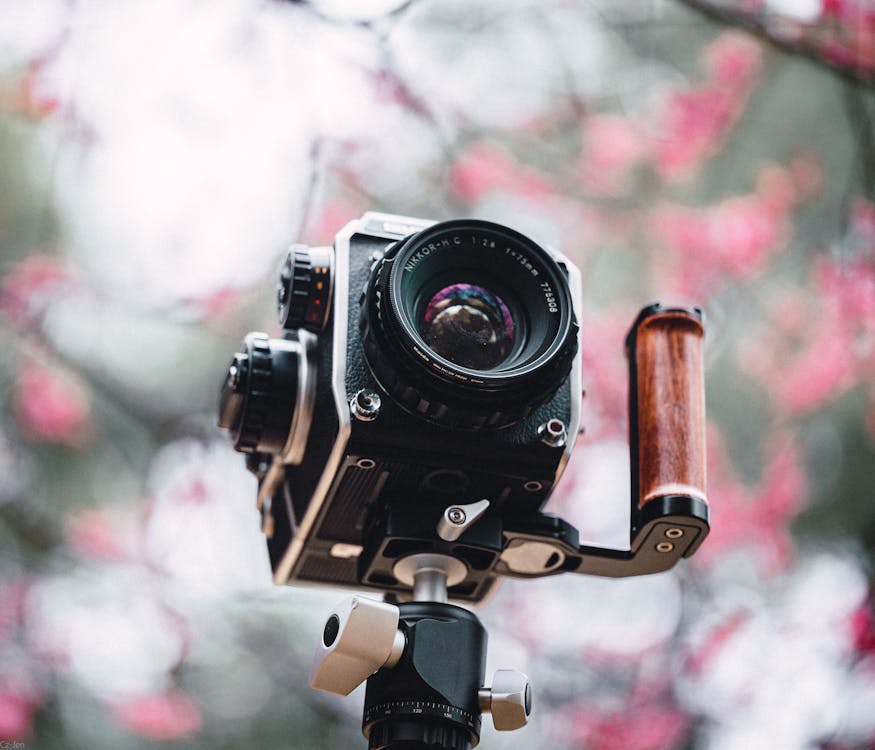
(456, 515)
(365, 405)
(553, 433)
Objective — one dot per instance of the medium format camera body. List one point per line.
(423, 401)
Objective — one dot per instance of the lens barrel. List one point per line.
(469, 324)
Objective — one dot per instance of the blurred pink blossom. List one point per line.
(827, 344)
(16, 713)
(485, 168)
(31, 285)
(863, 629)
(93, 535)
(28, 95)
(699, 660)
(849, 39)
(734, 59)
(51, 406)
(605, 374)
(613, 146)
(694, 121)
(733, 239)
(170, 715)
(631, 727)
(755, 518)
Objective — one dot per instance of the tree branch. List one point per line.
(797, 48)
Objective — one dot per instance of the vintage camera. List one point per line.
(423, 402)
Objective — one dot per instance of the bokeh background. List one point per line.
(156, 159)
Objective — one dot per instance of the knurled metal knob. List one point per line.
(258, 398)
(509, 700)
(304, 288)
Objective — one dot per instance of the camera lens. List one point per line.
(469, 324)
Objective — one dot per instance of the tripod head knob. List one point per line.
(360, 636)
(509, 700)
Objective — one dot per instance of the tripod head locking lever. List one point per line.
(360, 636)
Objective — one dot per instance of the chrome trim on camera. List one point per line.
(283, 571)
(299, 431)
(372, 223)
(575, 379)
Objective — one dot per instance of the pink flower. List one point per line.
(698, 660)
(484, 169)
(733, 239)
(649, 727)
(16, 713)
(29, 96)
(606, 374)
(832, 7)
(694, 121)
(171, 715)
(93, 535)
(613, 147)
(734, 59)
(755, 518)
(826, 346)
(823, 370)
(51, 406)
(31, 285)
(863, 629)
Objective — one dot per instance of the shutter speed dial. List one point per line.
(305, 286)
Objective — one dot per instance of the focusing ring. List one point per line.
(396, 362)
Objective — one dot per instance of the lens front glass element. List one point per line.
(468, 325)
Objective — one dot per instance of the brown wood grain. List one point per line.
(671, 406)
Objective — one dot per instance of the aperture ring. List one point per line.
(417, 401)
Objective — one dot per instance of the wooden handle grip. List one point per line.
(667, 405)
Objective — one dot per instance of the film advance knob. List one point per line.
(509, 700)
(304, 288)
(361, 635)
(258, 398)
